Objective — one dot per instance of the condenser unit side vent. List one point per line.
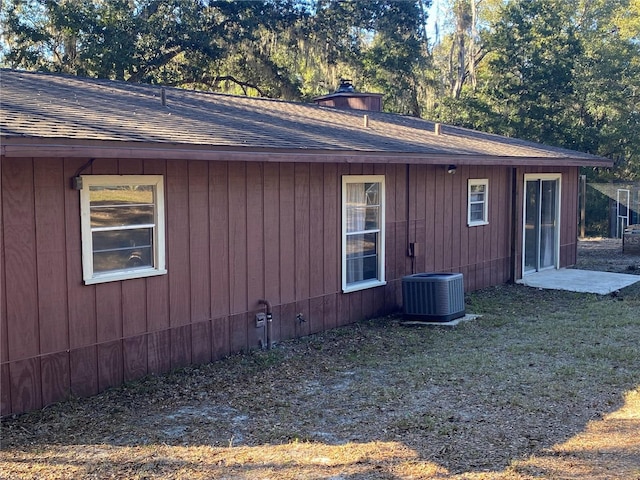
(434, 297)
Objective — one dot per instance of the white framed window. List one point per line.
(363, 205)
(478, 202)
(122, 223)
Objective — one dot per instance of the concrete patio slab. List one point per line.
(574, 280)
(468, 317)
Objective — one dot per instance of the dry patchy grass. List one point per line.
(544, 385)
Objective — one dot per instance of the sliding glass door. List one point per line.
(541, 222)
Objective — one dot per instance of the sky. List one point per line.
(437, 12)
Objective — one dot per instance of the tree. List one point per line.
(281, 48)
(563, 72)
(395, 60)
(177, 42)
(534, 48)
(607, 84)
(462, 54)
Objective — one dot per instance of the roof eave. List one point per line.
(25, 147)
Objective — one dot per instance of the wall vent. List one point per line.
(433, 297)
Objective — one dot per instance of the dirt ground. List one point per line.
(605, 254)
(545, 385)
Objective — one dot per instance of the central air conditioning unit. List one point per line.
(433, 297)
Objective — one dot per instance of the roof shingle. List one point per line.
(74, 112)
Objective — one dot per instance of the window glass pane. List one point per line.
(122, 239)
(371, 218)
(531, 225)
(477, 212)
(122, 249)
(548, 223)
(120, 215)
(477, 201)
(372, 192)
(477, 197)
(362, 218)
(355, 270)
(356, 219)
(121, 194)
(363, 229)
(356, 194)
(361, 245)
(122, 227)
(360, 269)
(363, 210)
(110, 260)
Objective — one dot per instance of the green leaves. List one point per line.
(534, 49)
(266, 47)
(562, 72)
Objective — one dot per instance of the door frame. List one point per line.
(541, 177)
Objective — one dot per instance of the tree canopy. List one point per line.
(563, 72)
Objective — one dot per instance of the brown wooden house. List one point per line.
(141, 226)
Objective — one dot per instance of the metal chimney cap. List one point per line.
(346, 86)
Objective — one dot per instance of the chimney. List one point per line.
(347, 97)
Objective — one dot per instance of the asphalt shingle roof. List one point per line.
(64, 110)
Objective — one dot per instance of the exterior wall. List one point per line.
(444, 241)
(236, 232)
(372, 103)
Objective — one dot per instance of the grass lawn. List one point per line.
(546, 384)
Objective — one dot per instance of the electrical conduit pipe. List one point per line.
(269, 322)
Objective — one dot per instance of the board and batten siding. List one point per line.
(235, 233)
